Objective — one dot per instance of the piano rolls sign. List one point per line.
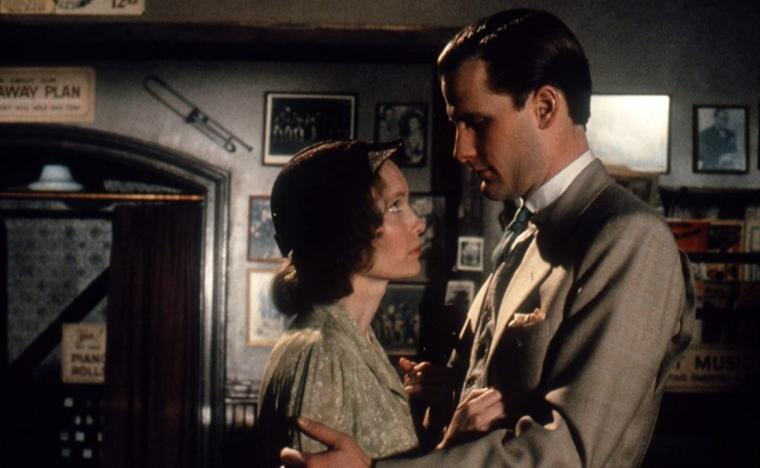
(84, 353)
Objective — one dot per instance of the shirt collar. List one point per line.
(556, 186)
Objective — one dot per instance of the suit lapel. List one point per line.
(474, 311)
(532, 271)
(556, 221)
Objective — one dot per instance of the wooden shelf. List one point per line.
(724, 257)
(90, 196)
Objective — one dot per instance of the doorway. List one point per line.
(113, 171)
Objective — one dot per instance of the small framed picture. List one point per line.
(720, 139)
(261, 244)
(470, 253)
(296, 120)
(408, 122)
(265, 322)
(459, 294)
(397, 321)
(432, 210)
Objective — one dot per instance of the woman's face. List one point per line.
(398, 244)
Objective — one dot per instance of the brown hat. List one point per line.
(319, 178)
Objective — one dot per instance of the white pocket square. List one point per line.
(520, 319)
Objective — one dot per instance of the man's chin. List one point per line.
(492, 192)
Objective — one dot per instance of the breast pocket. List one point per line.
(517, 361)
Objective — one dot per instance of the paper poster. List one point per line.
(72, 7)
(83, 353)
(712, 369)
(43, 94)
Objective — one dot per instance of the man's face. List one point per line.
(721, 119)
(493, 138)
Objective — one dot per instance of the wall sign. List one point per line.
(83, 353)
(72, 7)
(630, 131)
(712, 369)
(47, 94)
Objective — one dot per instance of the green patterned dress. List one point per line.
(325, 369)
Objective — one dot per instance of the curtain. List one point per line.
(152, 355)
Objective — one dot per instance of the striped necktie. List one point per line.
(518, 225)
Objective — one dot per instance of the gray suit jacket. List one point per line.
(606, 306)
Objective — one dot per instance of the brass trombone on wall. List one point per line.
(192, 114)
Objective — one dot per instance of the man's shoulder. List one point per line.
(617, 211)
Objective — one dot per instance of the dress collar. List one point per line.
(372, 353)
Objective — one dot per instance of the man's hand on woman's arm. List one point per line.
(342, 449)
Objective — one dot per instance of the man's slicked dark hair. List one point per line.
(524, 50)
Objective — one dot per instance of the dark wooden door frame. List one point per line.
(18, 140)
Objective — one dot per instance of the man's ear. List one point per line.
(547, 102)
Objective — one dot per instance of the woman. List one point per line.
(342, 216)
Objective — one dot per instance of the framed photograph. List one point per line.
(432, 210)
(408, 122)
(397, 321)
(261, 244)
(297, 120)
(720, 139)
(630, 131)
(265, 322)
(470, 253)
(459, 294)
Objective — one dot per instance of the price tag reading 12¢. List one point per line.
(72, 7)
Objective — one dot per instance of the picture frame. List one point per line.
(294, 121)
(261, 244)
(631, 131)
(407, 122)
(470, 253)
(397, 321)
(265, 322)
(459, 294)
(721, 135)
(432, 210)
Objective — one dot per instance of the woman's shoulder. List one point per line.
(313, 334)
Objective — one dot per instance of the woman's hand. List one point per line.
(426, 382)
(479, 412)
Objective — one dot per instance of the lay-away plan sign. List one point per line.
(44, 94)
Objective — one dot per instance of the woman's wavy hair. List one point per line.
(326, 217)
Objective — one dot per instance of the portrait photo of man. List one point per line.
(720, 143)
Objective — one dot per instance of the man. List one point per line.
(588, 307)
(717, 144)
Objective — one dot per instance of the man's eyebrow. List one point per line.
(464, 117)
(397, 193)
